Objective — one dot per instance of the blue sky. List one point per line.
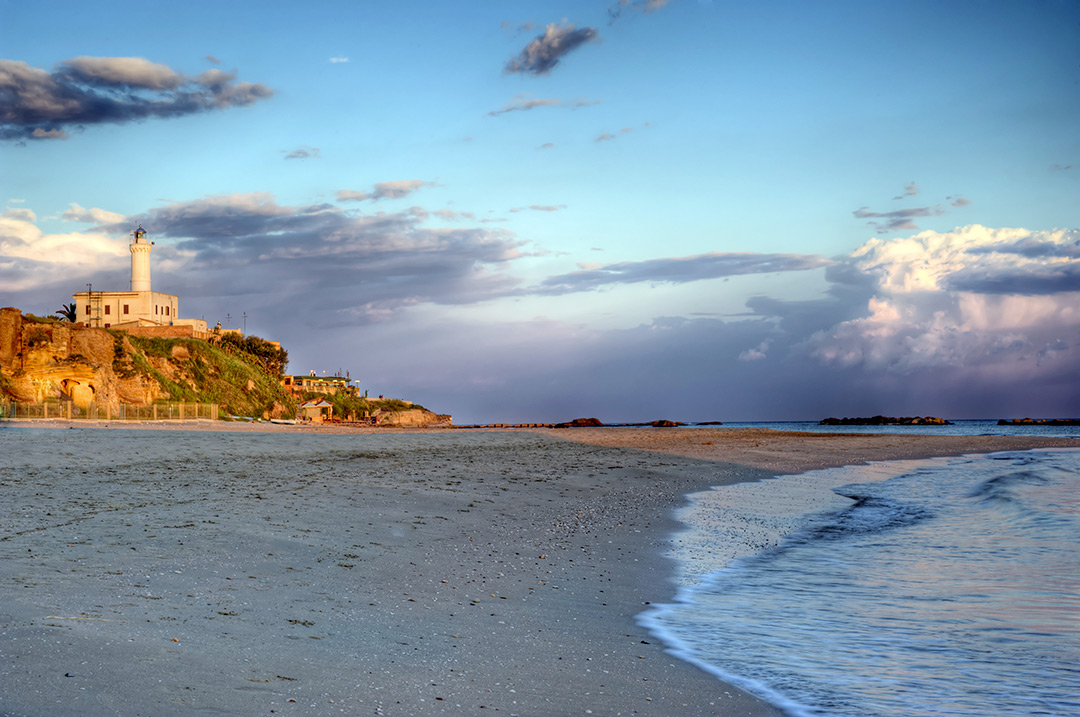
(537, 211)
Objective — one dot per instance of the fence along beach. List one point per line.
(248, 568)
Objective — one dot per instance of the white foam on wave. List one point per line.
(730, 523)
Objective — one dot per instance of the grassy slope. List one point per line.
(209, 374)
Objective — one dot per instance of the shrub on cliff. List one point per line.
(272, 359)
(194, 370)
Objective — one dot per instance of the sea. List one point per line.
(947, 586)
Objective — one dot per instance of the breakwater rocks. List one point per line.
(1039, 422)
(591, 423)
(886, 421)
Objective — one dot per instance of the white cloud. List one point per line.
(757, 353)
(395, 189)
(26, 215)
(75, 213)
(973, 296)
(32, 258)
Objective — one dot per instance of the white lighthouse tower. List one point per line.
(139, 309)
(140, 260)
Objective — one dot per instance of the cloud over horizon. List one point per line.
(82, 91)
(912, 324)
(678, 270)
(361, 267)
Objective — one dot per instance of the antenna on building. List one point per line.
(228, 320)
(245, 322)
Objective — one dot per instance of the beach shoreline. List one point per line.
(403, 572)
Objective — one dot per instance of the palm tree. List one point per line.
(67, 312)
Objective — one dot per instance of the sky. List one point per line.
(536, 211)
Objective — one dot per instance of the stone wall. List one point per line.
(164, 332)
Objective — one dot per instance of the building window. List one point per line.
(166, 310)
(107, 307)
(125, 308)
(108, 325)
(155, 309)
(88, 309)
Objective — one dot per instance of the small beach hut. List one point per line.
(316, 410)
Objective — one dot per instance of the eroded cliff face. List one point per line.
(44, 360)
(49, 360)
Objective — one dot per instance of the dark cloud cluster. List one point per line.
(320, 263)
(679, 270)
(897, 219)
(38, 104)
(545, 51)
(1038, 279)
(902, 219)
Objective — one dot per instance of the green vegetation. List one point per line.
(123, 363)
(37, 336)
(67, 312)
(255, 350)
(234, 377)
(30, 318)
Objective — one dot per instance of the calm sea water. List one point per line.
(959, 428)
(946, 586)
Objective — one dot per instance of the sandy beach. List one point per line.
(234, 568)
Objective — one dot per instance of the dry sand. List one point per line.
(255, 569)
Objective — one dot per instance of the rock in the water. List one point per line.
(886, 421)
(580, 423)
(1039, 422)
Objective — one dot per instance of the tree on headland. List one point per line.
(67, 313)
(271, 358)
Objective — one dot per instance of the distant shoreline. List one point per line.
(778, 450)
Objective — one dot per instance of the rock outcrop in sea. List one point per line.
(886, 421)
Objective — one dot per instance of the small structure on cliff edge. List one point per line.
(325, 385)
(140, 310)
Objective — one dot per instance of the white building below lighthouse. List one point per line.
(140, 307)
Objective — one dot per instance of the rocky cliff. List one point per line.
(412, 418)
(42, 359)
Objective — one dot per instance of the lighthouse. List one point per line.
(140, 260)
(140, 309)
